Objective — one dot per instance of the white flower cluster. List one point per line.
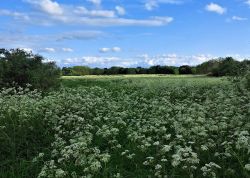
(210, 169)
(166, 131)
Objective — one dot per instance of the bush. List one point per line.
(228, 67)
(20, 68)
(185, 70)
(246, 81)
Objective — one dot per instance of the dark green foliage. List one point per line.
(207, 67)
(83, 70)
(227, 67)
(224, 67)
(140, 70)
(23, 132)
(67, 71)
(215, 67)
(20, 68)
(247, 80)
(185, 69)
(161, 70)
(97, 71)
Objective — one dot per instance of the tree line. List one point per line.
(85, 70)
(216, 67)
(19, 68)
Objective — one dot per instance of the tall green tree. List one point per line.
(19, 68)
(185, 69)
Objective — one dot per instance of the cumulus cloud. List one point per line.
(104, 50)
(165, 59)
(29, 50)
(120, 10)
(47, 6)
(152, 4)
(237, 18)
(97, 61)
(144, 60)
(67, 49)
(55, 13)
(212, 7)
(173, 59)
(100, 61)
(116, 49)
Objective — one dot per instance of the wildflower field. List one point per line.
(127, 127)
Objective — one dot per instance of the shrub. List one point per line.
(246, 81)
(185, 70)
(18, 67)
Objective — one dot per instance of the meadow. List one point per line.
(133, 126)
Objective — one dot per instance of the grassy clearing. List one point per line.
(141, 81)
(127, 126)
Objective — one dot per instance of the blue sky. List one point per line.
(128, 33)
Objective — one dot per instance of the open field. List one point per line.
(148, 81)
(127, 126)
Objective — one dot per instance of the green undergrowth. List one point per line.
(131, 127)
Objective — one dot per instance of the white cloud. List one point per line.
(238, 56)
(173, 59)
(95, 2)
(47, 50)
(47, 6)
(29, 50)
(18, 40)
(165, 20)
(237, 18)
(165, 59)
(104, 50)
(91, 60)
(67, 49)
(144, 60)
(116, 49)
(79, 35)
(100, 61)
(212, 7)
(120, 10)
(154, 21)
(94, 13)
(90, 21)
(38, 42)
(15, 15)
(152, 4)
(248, 2)
(62, 13)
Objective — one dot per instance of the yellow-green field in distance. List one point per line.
(143, 80)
